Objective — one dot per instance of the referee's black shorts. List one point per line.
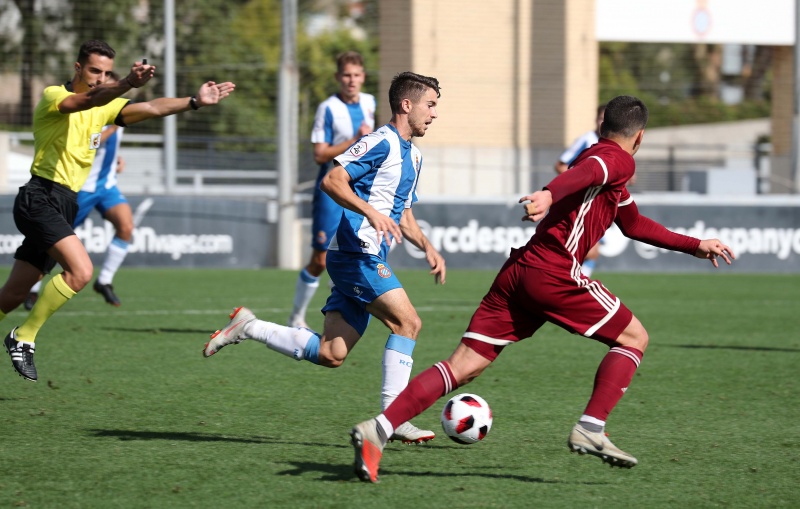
(44, 213)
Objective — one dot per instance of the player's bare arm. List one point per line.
(711, 249)
(103, 94)
(325, 152)
(336, 184)
(210, 93)
(413, 233)
(539, 204)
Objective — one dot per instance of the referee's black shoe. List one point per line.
(107, 291)
(21, 356)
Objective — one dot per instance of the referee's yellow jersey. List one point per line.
(65, 144)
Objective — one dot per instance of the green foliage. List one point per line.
(128, 414)
(702, 110)
(678, 82)
(318, 66)
(221, 40)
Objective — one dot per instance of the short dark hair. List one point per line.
(348, 57)
(409, 85)
(625, 115)
(94, 47)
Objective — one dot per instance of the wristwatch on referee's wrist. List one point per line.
(193, 103)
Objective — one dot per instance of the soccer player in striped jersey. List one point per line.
(375, 181)
(67, 129)
(583, 142)
(542, 282)
(100, 192)
(341, 120)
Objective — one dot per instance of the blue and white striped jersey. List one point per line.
(103, 174)
(583, 142)
(337, 121)
(384, 169)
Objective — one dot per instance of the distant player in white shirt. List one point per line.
(583, 142)
(375, 181)
(340, 121)
(100, 192)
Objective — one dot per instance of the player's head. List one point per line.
(94, 65)
(350, 74)
(416, 96)
(624, 116)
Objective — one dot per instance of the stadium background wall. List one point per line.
(223, 232)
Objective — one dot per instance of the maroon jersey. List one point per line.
(587, 199)
(542, 282)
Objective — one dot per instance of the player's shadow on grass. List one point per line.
(338, 473)
(158, 330)
(733, 347)
(190, 436)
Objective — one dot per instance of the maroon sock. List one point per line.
(422, 392)
(612, 379)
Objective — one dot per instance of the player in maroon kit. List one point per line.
(542, 282)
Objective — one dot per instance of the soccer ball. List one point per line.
(466, 418)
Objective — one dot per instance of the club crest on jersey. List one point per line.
(321, 237)
(94, 142)
(359, 148)
(383, 271)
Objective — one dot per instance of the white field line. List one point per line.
(159, 312)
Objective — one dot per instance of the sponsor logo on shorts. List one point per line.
(383, 271)
(357, 290)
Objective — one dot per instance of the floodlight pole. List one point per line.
(287, 135)
(796, 112)
(170, 148)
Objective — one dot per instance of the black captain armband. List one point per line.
(193, 103)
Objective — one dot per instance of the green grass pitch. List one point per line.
(127, 412)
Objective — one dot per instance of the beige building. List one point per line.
(510, 102)
(519, 82)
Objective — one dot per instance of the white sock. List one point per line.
(292, 342)
(304, 290)
(384, 423)
(115, 255)
(592, 423)
(397, 363)
(37, 287)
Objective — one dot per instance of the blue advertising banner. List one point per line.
(764, 234)
(180, 231)
(174, 231)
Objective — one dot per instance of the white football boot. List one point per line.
(232, 333)
(410, 434)
(369, 449)
(583, 441)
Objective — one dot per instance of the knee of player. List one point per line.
(80, 277)
(635, 336)
(412, 326)
(330, 361)
(125, 231)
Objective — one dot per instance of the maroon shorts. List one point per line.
(523, 298)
